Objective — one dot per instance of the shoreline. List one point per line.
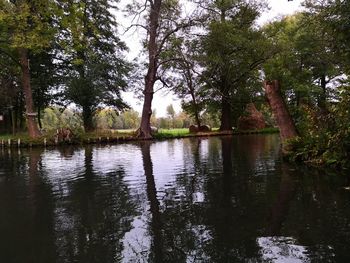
(95, 138)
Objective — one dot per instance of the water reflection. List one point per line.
(156, 224)
(280, 206)
(282, 249)
(95, 215)
(228, 199)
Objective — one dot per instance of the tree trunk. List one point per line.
(30, 114)
(279, 110)
(323, 97)
(195, 105)
(87, 119)
(226, 124)
(196, 116)
(39, 119)
(13, 121)
(145, 127)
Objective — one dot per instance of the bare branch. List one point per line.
(135, 25)
(169, 60)
(173, 31)
(163, 82)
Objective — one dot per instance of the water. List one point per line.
(228, 199)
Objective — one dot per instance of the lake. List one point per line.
(218, 199)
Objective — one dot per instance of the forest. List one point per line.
(55, 54)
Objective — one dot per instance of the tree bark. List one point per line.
(39, 119)
(226, 122)
(196, 116)
(226, 114)
(279, 110)
(13, 121)
(194, 101)
(87, 119)
(27, 90)
(323, 97)
(153, 60)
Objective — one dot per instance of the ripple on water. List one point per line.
(204, 200)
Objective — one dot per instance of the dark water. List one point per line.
(192, 200)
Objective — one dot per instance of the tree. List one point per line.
(187, 86)
(44, 79)
(171, 113)
(10, 92)
(29, 31)
(106, 119)
(162, 23)
(131, 119)
(94, 52)
(305, 64)
(233, 50)
(333, 16)
(280, 111)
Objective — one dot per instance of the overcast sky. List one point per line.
(162, 99)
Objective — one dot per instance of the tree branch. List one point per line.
(171, 32)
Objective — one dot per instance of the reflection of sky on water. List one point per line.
(137, 242)
(282, 250)
(63, 167)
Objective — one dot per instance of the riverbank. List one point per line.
(318, 153)
(23, 140)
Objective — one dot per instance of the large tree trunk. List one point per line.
(195, 105)
(30, 114)
(196, 116)
(279, 110)
(145, 127)
(87, 119)
(189, 77)
(226, 121)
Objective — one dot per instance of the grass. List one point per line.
(171, 133)
(118, 135)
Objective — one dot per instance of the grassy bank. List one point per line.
(23, 140)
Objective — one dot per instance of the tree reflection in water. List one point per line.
(228, 199)
(156, 254)
(95, 215)
(27, 203)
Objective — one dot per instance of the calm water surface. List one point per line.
(228, 199)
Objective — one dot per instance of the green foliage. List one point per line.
(55, 118)
(28, 23)
(109, 119)
(93, 50)
(233, 51)
(305, 64)
(325, 139)
(170, 111)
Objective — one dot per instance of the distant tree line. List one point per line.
(107, 119)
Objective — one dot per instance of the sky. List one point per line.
(163, 98)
